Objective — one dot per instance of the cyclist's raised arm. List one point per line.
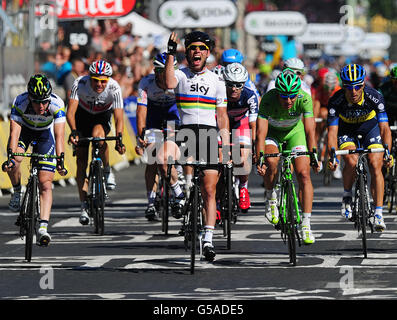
(170, 80)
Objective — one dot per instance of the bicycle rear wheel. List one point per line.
(165, 210)
(30, 214)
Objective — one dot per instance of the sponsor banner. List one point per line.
(197, 14)
(323, 33)
(289, 23)
(83, 9)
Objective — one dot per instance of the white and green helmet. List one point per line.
(287, 82)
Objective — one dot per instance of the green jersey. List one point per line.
(285, 119)
(286, 124)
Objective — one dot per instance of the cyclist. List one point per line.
(242, 108)
(279, 120)
(389, 91)
(359, 110)
(296, 65)
(327, 87)
(93, 99)
(157, 105)
(201, 99)
(235, 56)
(37, 117)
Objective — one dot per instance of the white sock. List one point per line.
(306, 219)
(151, 197)
(271, 194)
(209, 231)
(176, 189)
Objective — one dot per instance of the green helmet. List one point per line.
(287, 82)
(39, 87)
(393, 73)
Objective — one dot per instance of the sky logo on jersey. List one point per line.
(195, 87)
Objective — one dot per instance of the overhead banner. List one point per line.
(261, 23)
(323, 33)
(83, 9)
(197, 14)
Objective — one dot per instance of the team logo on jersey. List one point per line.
(195, 87)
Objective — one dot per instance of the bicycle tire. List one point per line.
(30, 216)
(229, 203)
(98, 198)
(165, 211)
(362, 213)
(193, 227)
(291, 222)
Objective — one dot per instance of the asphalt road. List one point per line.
(134, 260)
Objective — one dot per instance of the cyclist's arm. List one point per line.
(59, 132)
(119, 120)
(170, 80)
(15, 131)
(262, 126)
(141, 114)
(385, 134)
(71, 112)
(310, 131)
(332, 137)
(223, 124)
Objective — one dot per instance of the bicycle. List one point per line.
(96, 187)
(192, 223)
(390, 196)
(288, 205)
(228, 203)
(29, 213)
(164, 197)
(362, 212)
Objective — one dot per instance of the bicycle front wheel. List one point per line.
(229, 209)
(363, 210)
(193, 227)
(291, 222)
(98, 199)
(30, 213)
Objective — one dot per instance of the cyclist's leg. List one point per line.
(208, 189)
(271, 208)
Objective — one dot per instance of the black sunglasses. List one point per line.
(38, 101)
(238, 85)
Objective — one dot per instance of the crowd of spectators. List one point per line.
(131, 58)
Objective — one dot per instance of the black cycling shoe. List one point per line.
(177, 208)
(151, 213)
(208, 251)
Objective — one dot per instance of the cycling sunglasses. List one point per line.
(351, 87)
(38, 101)
(100, 80)
(238, 85)
(202, 47)
(286, 96)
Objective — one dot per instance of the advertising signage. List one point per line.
(83, 9)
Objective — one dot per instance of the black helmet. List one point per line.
(198, 36)
(39, 87)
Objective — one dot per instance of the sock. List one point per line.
(151, 197)
(209, 231)
(306, 218)
(271, 194)
(188, 179)
(347, 193)
(378, 211)
(243, 185)
(177, 190)
(43, 224)
(17, 188)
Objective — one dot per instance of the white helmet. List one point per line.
(235, 72)
(101, 68)
(295, 64)
(330, 79)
